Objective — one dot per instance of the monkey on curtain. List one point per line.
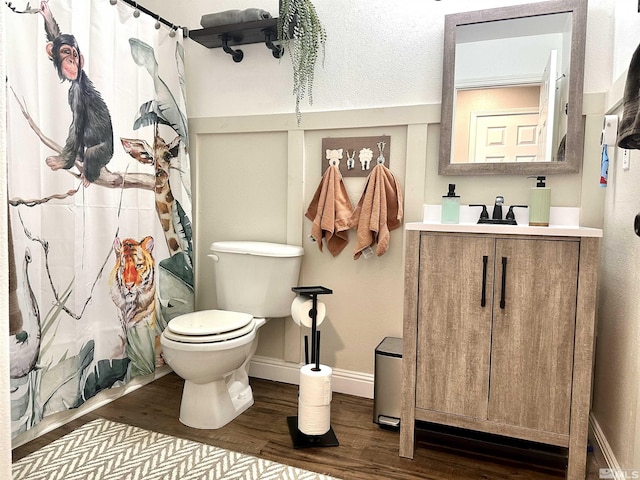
(90, 139)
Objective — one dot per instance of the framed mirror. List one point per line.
(512, 90)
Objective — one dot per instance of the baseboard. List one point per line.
(342, 381)
(603, 452)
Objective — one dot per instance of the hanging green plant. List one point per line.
(302, 34)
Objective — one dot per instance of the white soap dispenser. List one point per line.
(539, 203)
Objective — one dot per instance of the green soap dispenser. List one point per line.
(539, 203)
(451, 206)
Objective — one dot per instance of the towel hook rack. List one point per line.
(237, 55)
(380, 160)
(276, 50)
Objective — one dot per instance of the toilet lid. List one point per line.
(209, 322)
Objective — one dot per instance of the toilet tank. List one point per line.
(256, 277)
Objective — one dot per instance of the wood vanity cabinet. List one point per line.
(498, 336)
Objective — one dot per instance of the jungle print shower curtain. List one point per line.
(99, 199)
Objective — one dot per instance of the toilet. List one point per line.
(211, 349)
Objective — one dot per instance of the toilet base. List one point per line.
(213, 405)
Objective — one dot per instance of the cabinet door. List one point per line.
(533, 333)
(454, 328)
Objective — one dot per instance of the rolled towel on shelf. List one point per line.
(229, 17)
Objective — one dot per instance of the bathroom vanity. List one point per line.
(499, 332)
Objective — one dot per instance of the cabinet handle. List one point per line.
(483, 300)
(504, 282)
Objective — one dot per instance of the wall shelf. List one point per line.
(238, 33)
(244, 33)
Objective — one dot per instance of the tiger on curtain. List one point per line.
(134, 293)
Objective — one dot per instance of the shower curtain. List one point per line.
(99, 199)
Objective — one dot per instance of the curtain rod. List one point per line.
(157, 17)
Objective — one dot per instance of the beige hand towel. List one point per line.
(329, 211)
(378, 212)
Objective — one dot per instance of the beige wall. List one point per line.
(255, 176)
(616, 395)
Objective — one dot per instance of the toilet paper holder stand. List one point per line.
(301, 440)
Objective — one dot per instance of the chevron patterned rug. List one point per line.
(102, 449)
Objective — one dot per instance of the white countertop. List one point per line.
(552, 230)
(563, 222)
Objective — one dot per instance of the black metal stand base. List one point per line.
(300, 440)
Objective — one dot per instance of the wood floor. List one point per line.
(365, 452)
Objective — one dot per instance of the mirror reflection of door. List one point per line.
(504, 137)
(546, 124)
(496, 124)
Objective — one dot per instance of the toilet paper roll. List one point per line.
(315, 386)
(300, 308)
(314, 419)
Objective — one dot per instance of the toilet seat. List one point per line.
(221, 337)
(209, 326)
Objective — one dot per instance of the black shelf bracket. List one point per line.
(276, 50)
(237, 55)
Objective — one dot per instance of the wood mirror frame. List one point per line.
(575, 121)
